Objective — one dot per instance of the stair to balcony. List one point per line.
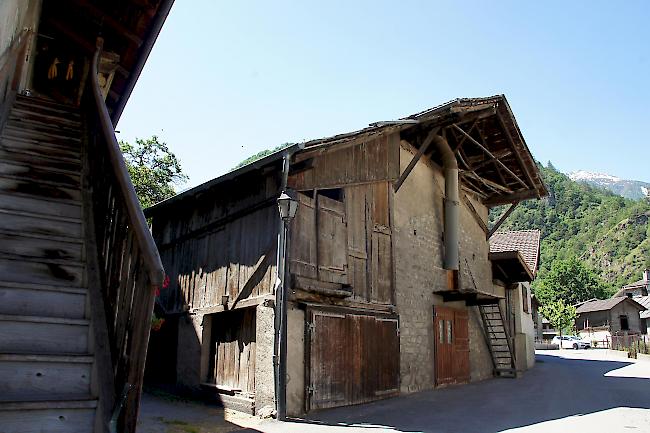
(496, 334)
(47, 362)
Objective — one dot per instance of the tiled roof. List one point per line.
(524, 241)
(603, 305)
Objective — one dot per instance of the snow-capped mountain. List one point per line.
(633, 189)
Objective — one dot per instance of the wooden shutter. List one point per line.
(332, 241)
(303, 239)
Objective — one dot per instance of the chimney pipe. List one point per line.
(646, 276)
(451, 228)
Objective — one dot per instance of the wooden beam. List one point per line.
(72, 36)
(514, 149)
(492, 185)
(96, 12)
(475, 214)
(502, 219)
(510, 198)
(491, 155)
(261, 267)
(423, 148)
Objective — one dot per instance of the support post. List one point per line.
(501, 220)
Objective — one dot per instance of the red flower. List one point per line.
(165, 283)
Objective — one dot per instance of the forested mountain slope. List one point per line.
(611, 234)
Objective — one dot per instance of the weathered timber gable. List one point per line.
(221, 243)
(360, 162)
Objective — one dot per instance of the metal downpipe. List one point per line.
(452, 203)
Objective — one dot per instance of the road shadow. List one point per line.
(556, 388)
(164, 412)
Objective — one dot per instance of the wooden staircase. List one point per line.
(498, 341)
(47, 361)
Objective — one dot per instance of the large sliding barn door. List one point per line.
(451, 345)
(352, 358)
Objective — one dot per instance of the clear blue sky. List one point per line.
(228, 79)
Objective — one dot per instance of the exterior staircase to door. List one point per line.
(46, 343)
(498, 340)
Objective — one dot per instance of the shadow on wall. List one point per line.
(555, 389)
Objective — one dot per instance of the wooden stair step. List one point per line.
(18, 221)
(44, 377)
(36, 206)
(35, 299)
(43, 335)
(39, 174)
(45, 250)
(34, 107)
(75, 416)
(26, 271)
(24, 115)
(27, 122)
(31, 159)
(22, 110)
(49, 137)
(44, 148)
(39, 189)
(40, 101)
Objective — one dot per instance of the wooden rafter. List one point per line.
(72, 36)
(475, 214)
(97, 13)
(491, 155)
(423, 148)
(502, 219)
(511, 141)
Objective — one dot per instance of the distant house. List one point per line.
(637, 288)
(520, 246)
(645, 314)
(616, 315)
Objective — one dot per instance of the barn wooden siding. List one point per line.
(220, 243)
(346, 164)
(346, 241)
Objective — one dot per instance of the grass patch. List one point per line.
(182, 425)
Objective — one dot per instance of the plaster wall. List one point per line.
(295, 360)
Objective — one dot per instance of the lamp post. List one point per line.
(287, 206)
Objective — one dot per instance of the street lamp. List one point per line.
(287, 205)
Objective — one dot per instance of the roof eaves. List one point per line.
(254, 165)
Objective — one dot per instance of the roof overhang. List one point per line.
(510, 267)
(129, 29)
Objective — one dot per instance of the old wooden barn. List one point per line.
(390, 285)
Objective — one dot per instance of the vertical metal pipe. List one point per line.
(452, 202)
(280, 344)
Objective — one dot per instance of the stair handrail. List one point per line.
(507, 334)
(136, 216)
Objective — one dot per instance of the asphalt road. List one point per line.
(567, 391)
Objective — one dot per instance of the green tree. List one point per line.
(561, 316)
(261, 154)
(153, 168)
(569, 281)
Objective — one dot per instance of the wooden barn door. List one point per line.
(352, 359)
(233, 345)
(451, 345)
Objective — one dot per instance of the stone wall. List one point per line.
(295, 360)
(264, 372)
(417, 215)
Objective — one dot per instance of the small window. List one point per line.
(449, 333)
(441, 331)
(333, 193)
(625, 326)
(524, 297)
